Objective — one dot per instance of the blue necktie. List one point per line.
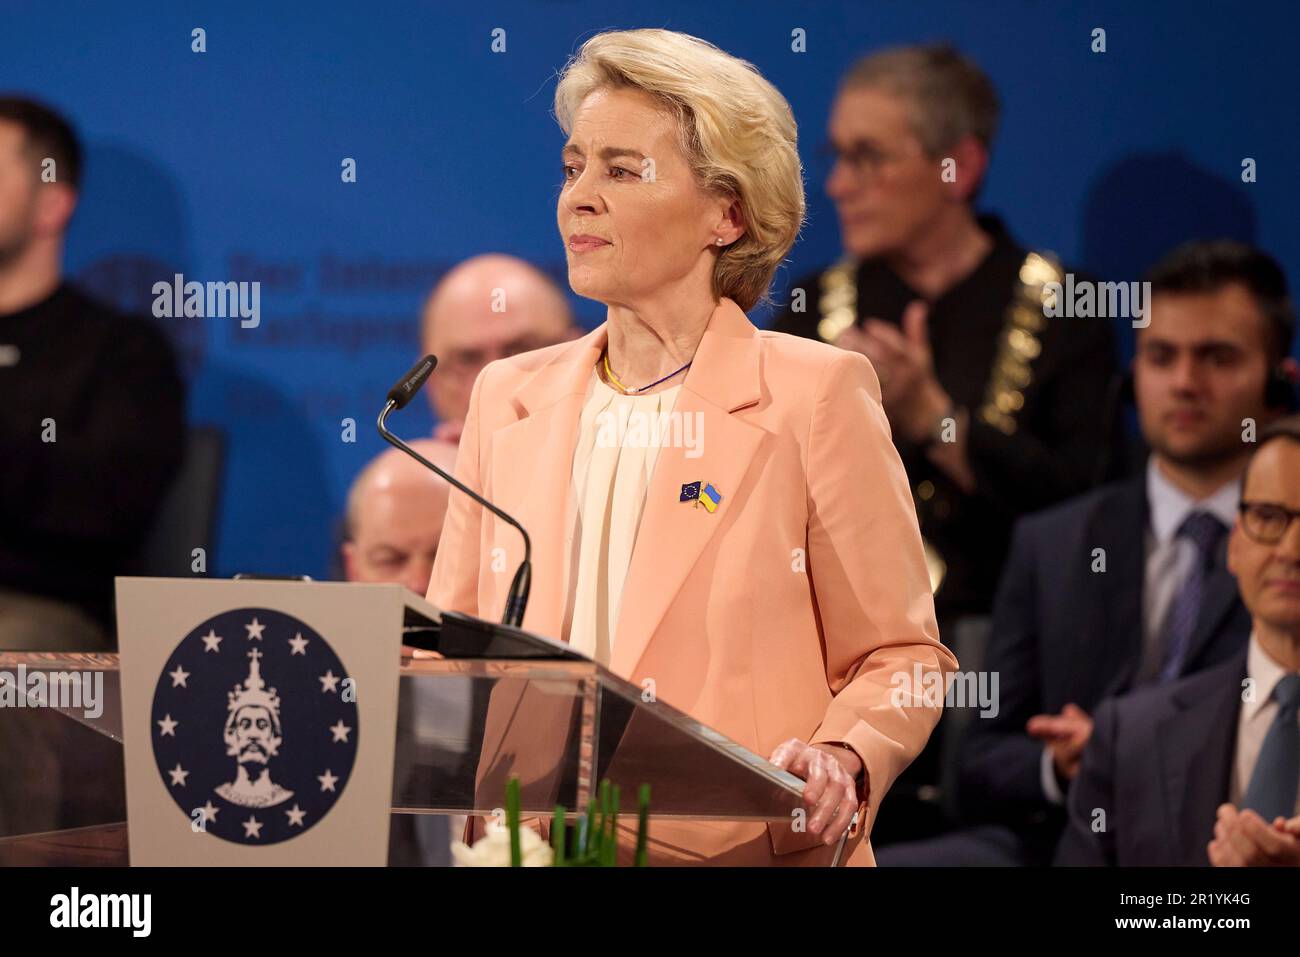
(1273, 783)
(1205, 532)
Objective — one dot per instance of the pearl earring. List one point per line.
(718, 240)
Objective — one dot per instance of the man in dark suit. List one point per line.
(1126, 585)
(1207, 769)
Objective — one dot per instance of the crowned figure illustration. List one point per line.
(253, 736)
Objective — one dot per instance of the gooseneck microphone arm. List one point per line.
(398, 397)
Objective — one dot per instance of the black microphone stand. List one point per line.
(517, 598)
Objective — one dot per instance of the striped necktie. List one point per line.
(1205, 532)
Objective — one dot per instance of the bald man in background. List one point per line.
(394, 519)
(488, 307)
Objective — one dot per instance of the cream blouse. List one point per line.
(618, 445)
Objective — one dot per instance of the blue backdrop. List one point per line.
(225, 165)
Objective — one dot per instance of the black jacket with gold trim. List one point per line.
(1042, 396)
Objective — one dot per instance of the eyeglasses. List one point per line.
(1266, 522)
(468, 362)
(864, 158)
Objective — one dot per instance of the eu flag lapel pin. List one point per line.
(701, 493)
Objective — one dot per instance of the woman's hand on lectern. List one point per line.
(831, 789)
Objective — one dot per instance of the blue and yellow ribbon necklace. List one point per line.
(609, 373)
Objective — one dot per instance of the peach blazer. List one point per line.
(787, 612)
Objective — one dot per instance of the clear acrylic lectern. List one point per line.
(493, 703)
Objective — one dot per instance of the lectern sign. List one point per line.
(255, 726)
(259, 718)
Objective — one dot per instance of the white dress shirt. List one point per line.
(1169, 557)
(1256, 717)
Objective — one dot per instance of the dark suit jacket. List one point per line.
(1064, 633)
(1158, 765)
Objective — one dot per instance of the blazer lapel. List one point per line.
(724, 377)
(1194, 747)
(532, 464)
(1119, 527)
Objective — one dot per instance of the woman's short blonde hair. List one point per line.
(738, 134)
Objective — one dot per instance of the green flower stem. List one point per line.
(642, 824)
(512, 822)
(558, 835)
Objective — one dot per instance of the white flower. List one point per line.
(493, 849)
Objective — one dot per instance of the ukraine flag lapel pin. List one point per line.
(710, 498)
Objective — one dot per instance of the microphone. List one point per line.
(412, 382)
(398, 396)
